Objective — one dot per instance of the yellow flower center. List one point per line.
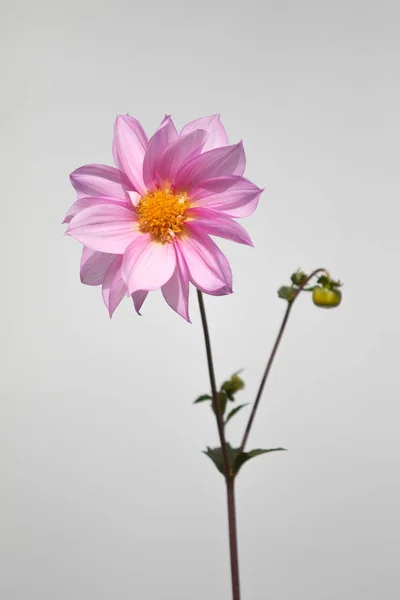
(162, 213)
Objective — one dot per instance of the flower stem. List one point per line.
(230, 490)
(265, 375)
(272, 356)
(214, 393)
(229, 480)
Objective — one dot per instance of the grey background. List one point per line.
(104, 491)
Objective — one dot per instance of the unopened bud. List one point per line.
(233, 385)
(299, 278)
(326, 297)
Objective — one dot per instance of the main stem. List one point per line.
(233, 545)
(230, 482)
(214, 393)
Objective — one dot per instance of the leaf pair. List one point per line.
(227, 392)
(222, 399)
(236, 458)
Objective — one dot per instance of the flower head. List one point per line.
(146, 224)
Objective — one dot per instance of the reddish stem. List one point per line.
(272, 356)
(229, 480)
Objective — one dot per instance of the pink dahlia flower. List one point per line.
(147, 224)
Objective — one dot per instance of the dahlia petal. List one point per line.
(167, 119)
(148, 264)
(114, 288)
(134, 198)
(94, 266)
(100, 180)
(105, 227)
(83, 203)
(129, 147)
(229, 160)
(238, 212)
(176, 290)
(179, 152)
(234, 196)
(213, 186)
(208, 267)
(211, 222)
(165, 135)
(138, 298)
(216, 137)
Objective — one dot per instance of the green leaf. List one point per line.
(222, 400)
(329, 283)
(323, 280)
(229, 394)
(287, 293)
(243, 457)
(234, 411)
(202, 398)
(216, 456)
(235, 458)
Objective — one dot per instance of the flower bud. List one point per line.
(326, 297)
(299, 278)
(233, 385)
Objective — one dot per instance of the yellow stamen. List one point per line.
(162, 214)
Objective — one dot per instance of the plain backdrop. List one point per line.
(104, 491)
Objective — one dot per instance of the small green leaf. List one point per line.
(243, 457)
(234, 411)
(229, 394)
(202, 398)
(235, 458)
(216, 456)
(323, 280)
(222, 400)
(329, 283)
(287, 293)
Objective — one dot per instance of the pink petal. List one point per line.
(233, 196)
(208, 268)
(94, 266)
(129, 147)
(135, 198)
(213, 186)
(214, 223)
(164, 136)
(100, 180)
(176, 290)
(148, 264)
(138, 298)
(114, 288)
(178, 152)
(216, 137)
(83, 203)
(105, 227)
(229, 160)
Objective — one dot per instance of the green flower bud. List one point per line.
(233, 385)
(325, 297)
(299, 278)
